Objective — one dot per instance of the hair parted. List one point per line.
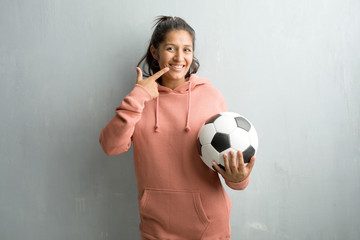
(163, 25)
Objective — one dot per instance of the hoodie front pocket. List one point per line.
(169, 214)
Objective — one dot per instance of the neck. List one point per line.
(172, 84)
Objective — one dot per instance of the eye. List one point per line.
(187, 50)
(170, 49)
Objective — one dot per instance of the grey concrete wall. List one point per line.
(291, 67)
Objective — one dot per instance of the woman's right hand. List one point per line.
(150, 83)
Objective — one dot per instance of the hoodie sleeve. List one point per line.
(115, 138)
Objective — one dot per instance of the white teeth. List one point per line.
(177, 66)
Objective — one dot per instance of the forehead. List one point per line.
(178, 37)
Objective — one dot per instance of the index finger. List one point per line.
(160, 73)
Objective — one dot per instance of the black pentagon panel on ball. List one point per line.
(221, 166)
(221, 141)
(212, 119)
(243, 123)
(248, 153)
(199, 146)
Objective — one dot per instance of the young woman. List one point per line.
(179, 196)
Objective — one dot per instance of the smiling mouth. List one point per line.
(177, 66)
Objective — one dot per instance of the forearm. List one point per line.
(115, 138)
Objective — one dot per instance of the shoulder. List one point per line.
(207, 92)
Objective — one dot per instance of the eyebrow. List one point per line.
(172, 44)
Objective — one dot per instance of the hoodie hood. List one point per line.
(185, 88)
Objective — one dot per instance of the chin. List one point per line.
(177, 76)
(180, 75)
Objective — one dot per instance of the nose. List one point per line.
(178, 55)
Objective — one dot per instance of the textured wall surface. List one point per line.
(291, 67)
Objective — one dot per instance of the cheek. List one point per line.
(163, 59)
(189, 60)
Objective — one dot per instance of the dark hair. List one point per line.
(163, 25)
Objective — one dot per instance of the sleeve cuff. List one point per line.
(239, 185)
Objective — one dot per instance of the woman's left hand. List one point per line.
(235, 172)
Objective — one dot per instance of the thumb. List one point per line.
(139, 75)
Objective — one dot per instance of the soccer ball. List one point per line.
(225, 132)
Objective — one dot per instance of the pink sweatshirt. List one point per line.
(179, 196)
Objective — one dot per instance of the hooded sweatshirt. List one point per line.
(179, 196)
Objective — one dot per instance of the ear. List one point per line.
(153, 52)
